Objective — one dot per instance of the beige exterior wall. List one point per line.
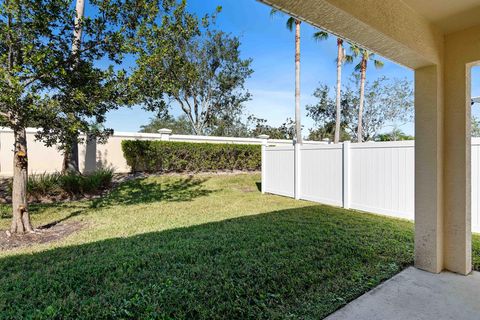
(110, 154)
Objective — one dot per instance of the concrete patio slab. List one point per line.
(415, 294)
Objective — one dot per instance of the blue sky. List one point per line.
(271, 45)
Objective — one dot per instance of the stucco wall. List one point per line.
(92, 155)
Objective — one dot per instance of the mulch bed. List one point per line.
(44, 234)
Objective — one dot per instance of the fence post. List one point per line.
(264, 139)
(297, 168)
(165, 134)
(346, 174)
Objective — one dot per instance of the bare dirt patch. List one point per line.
(45, 234)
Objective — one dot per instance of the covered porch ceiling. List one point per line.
(409, 32)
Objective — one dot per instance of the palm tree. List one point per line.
(365, 57)
(71, 155)
(291, 22)
(322, 35)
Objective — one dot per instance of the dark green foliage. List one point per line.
(55, 184)
(162, 156)
(179, 125)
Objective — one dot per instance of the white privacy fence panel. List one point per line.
(382, 178)
(279, 170)
(376, 177)
(321, 172)
(476, 184)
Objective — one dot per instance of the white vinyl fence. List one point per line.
(377, 177)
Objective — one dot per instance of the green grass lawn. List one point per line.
(210, 247)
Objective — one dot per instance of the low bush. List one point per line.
(47, 185)
(163, 156)
(44, 185)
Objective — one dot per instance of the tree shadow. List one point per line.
(304, 263)
(137, 191)
(39, 208)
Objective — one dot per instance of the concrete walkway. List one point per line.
(415, 294)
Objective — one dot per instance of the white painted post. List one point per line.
(264, 139)
(297, 168)
(165, 134)
(346, 174)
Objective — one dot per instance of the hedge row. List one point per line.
(166, 156)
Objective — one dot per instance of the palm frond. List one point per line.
(274, 12)
(349, 58)
(320, 35)
(355, 50)
(290, 23)
(378, 64)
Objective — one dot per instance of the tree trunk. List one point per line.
(298, 122)
(339, 90)
(363, 76)
(71, 158)
(21, 218)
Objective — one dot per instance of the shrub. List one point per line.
(97, 181)
(163, 156)
(71, 183)
(45, 184)
(55, 184)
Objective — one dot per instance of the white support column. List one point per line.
(297, 168)
(346, 174)
(165, 134)
(264, 139)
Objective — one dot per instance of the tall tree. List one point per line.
(291, 23)
(29, 56)
(71, 156)
(340, 60)
(387, 103)
(324, 114)
(87, 91)
(286, 131)
(36, 75)
(179, 125)
(365, 56)
(196, 68)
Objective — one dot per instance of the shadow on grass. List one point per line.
(298, 263)
(139, 191)
(39, 208)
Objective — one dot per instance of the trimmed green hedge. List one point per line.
(166, 156)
